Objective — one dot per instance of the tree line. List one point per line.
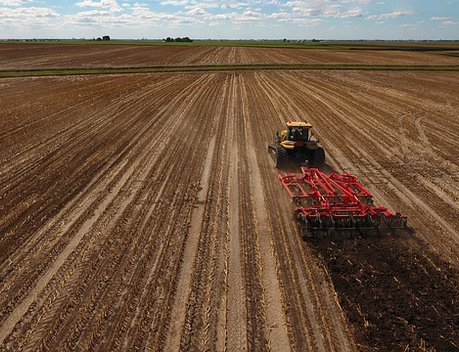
(178, 40)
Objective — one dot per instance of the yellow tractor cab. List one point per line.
(296, 142)
(297, 132)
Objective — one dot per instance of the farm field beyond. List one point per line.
(49, 56)
(144, 212)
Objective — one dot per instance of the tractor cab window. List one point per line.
(298, 134)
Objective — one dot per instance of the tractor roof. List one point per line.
(298, 124)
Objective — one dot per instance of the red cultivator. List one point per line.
(336, 202)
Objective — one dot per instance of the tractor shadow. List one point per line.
(293, 167)
(397, 294)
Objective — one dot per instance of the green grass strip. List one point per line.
(212, 68)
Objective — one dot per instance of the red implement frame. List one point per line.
(336, 202)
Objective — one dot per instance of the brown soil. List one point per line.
(397, 296)
(143, 212)
(24, 57)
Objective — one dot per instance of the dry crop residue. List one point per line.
(143, 212)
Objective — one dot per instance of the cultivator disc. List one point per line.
(336, 202)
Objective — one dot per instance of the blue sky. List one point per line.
(231, 19)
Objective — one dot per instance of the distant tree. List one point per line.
(99, 39)
(178, 40)
(187, 39)
(284, 40)
(106, 37)
(169, 39)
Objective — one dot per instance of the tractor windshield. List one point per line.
(298, 134)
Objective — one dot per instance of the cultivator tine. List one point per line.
(336, 203)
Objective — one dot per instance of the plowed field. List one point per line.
(24, 57)
(143, 212)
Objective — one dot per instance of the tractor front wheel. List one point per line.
(278, 154)
(281, 157)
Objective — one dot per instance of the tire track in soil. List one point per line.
(208, 284)
(236, 320)
(190, 252)
(326, 324)
(252, 266)
(275, 322)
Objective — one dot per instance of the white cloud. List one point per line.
(197, 11)
(20, 19)
(409, 26)
(201, 6)
(355, 12)
(107, 5)
(27, 13)
(234, 5)
(14, 2)
(249, 16)
(444, 21)
(176, 2)
(287, 17)
(389, 16)
(448, 23)
(326, 8)
(112, 5)
(91, 3)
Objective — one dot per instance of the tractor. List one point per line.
(296, 143)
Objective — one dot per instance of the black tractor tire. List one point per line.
(317, 158)
(281, 159)
(277, 154)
